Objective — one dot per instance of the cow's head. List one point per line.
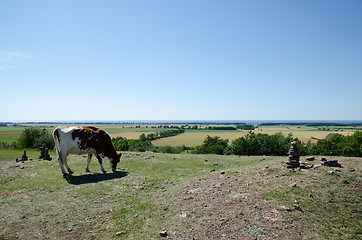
(114, 161)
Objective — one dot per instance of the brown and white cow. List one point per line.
(84, 140)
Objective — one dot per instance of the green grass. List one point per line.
(9, 137)
(147, 196)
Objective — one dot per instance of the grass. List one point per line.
(200, 196)
(9, 137)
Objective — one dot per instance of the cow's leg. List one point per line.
(60, 160)
(100, 163)
(88, 162)
(66, 165)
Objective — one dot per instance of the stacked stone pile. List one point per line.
(44, 154)
(23, 158)
(293, 156)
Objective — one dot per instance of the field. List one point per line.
(194, 138)
(185, 196)
(191, 138)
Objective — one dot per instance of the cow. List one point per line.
(84, 140)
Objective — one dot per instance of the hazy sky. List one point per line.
(180, 60)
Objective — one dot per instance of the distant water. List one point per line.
(195, 121)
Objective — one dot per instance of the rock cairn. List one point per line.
(23, 158)
(44, 154)
(293, 156)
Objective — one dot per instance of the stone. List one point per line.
(331, 163)
(24, 157)
(297, 207)
(310, 158)
(344, 181)
(120, 233)
(285, 208)
(44, 153)
(304, 165)
(163, 233)
(293, 156)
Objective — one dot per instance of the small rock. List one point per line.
(297, 207)
(70, 229)
(352, 170)
(222, 172)
(331, 172)
(163, 233)
(285, 208)
(344, 181)
(212, 170)
(120, 233)
(293, 185)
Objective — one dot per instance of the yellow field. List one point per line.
(193, 139)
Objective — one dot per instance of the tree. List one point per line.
(34, 138)
(212, 145)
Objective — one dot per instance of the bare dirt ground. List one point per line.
(162, 196)
(237, 204)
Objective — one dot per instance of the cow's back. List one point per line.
(66, 142)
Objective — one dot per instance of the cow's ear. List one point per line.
(120, 154)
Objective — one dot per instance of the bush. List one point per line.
(212, 145)
(339, 145)
(34, 138)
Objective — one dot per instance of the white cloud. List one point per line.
(6, 67)
(10, 60)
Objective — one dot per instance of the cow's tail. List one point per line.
(56, 137)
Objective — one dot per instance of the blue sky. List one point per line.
(180, 60)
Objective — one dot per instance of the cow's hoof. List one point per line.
(71, 172)
(104, 172)
(87, 170)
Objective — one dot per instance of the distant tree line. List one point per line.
(316, 124)
(219, 128)
(144, 143)
(245, 126)
(251, 144)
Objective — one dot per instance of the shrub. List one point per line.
(34, 138)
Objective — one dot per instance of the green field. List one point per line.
(192, 138)
(184, 196)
